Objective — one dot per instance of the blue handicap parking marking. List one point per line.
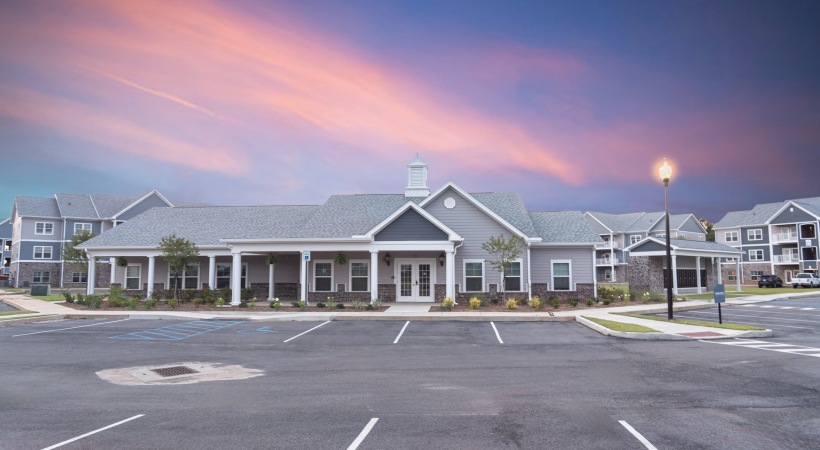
(258, 330)
(179, 331)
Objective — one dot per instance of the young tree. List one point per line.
(505, 251)
(178, 253)
(710, 232)
(75, 256)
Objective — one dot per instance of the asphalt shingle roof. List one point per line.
(37, 207)
(343, 216)
(702, 245)
(563, 226)
(510, 207)
(75, 205)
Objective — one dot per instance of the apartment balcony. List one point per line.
(606, 261)
(785, 259)
(601, 245)
(779, 238)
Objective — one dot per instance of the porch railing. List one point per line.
(606, 245)
(789, 236)
(606, 261)
(781, 259)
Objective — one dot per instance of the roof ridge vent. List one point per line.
(417, 179)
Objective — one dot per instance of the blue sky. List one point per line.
(571, 104)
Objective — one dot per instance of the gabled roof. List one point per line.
(409, 205)
(764, 212)
(140, 199)
(76, 206)
(676, 221)
(36, 207)
(205, 226)
(344, 216)
(109, 205)
(807, 207)
(683, 247)
(554, 227)
(639, 222)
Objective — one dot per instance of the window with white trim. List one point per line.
(756, 255)
(188, 279)
(41, 277)
(512, 277)
(133, 275)
(755, 234)
(81, 227)
(43, 228)
(323, 276)
(79, 277)
(42, 252)
(223, 276)
(474, 276)
(731, 236)
(755, 274)
(634, 239)
(561, 275)
(607, 274)
(731, 275)
(359, 276)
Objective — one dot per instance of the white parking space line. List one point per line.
(70, 328)
(760, 317)
(756, 323)
(788, 307)
(767, 306)
(498, 336)
(401, 332)
(763, 345)
(364, 432)
(94, 432)
(635, 433)
(305, 332)
(806, 309)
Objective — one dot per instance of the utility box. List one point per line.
(41, 289)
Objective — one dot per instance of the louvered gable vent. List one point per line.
(417, 179)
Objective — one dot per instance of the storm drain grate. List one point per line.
(174, 371)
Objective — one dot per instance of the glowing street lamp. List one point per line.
(665, 172)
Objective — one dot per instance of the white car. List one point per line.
(806, 280)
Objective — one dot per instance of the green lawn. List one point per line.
(620, 326)
(11, 313)
(700, 323)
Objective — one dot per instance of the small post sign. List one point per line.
(720, 297)
(306, 259)
(306, 255)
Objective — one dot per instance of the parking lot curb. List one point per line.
(656, 336)
(32, 319)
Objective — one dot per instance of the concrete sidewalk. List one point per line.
(43, 310)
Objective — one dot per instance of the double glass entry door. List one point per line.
(416, 282)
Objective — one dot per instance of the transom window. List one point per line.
(43, 228)
(42, 252)
(323, 276)
(755, 234)
(731, 236)
(132, 276)
(223, 276)
(474, 276)
(512, 277)
(359, 276)
(41, 277)
(755, 255)
(81, 227)
(561, 275)
(634, 239)
(188, 279)
(79, 277)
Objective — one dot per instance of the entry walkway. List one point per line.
(43, 310)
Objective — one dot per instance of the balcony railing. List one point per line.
(789, 236)
(606, 261)
(606, 245)
(786, 259)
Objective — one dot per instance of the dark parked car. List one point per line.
(769, 281)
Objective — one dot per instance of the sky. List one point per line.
(572, 104)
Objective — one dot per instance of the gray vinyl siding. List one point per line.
(720, 236)
(649, 247)
(692, 226)
(475, 227)
(411, 226)
(96, 227)
(150, 202)
(27, 250)
(28, 226)
(582, 265)
(796, 215)
(744, 235)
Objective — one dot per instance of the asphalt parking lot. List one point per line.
(398, 385)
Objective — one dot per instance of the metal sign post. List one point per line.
(306, 258)
(720, 297)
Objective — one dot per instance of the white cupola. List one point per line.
(417, 179)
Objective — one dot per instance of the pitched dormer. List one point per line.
(417, 179)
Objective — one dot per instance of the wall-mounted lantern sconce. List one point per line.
(386, 258)
(441, 259)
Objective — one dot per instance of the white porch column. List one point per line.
(303, 279)
(374, 275)
(697, 268)
(92, 274)
(675, 274)
(737, 273)
(529, 272)
(113, 263)
(720, 271)
(212, 272)
(450, 274)
(594, 272)
(271, 289)
(236, 278)
(150, 280)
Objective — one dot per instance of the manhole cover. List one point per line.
(173, 371)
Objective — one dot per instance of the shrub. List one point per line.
(330, 303)
(252, 302)
(447, 303)
(320, 305)
(115, 301)
(555, 302)
(172, 303)
(357, 305)
(512, 304)
(370, 307)
(220, 302)
(247, 294)
(150, 303)
(298, 304)
(93, 301)
(340, 306)
(475, 303)
(159, 295)
(115, 295)
(607, 301)
(80, 299)
(225, 294)
(208, 295)
(275, 304)
(134, 302)
(188, 295)
(68, 297)
(589, 302)
(376, 304)
(573, 301)
(536, 303)
(243, 303)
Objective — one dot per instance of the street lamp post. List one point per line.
(666, 172)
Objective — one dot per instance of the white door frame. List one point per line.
(415, 262)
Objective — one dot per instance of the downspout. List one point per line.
(529, 272)
(62, 252)
(595, 274)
